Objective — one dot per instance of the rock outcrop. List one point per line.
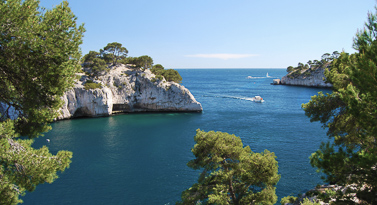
(309, 78)
(126, 90)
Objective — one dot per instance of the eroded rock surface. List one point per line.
(127, 90)
(314, 78)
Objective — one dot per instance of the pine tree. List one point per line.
(350, 114)
(232, 174)
(39, 55)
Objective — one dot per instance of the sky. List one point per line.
(222, 33)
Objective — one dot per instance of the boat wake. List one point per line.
(251, 77)
(253, 99)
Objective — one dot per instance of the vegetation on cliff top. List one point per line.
(169, 75)
(113, 54)
(311, 66)
(39, 53)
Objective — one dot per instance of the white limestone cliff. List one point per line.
(314, 78)
(127, 90)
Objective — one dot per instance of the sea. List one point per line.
(141, 158)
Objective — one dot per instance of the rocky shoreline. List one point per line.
(314, 78)
(126, 90)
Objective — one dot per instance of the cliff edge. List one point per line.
(124, 89)
(306, 77)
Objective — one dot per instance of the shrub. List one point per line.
(288, 199)
(90, 85)
(327, 195)
(157, 69)
(169, 75)
(308, 202)
(312, 193)
(159, 77)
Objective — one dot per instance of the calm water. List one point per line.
(141, 158)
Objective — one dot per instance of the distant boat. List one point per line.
(267, 75)
(249, 77)
(258, 99)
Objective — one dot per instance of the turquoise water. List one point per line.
(141, 158)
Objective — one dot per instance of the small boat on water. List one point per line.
(267, 76)
(258, 99)
(249, 77)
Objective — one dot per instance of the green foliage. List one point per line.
(89, 58)
(306, 201)
(172, 75)
(350, 114)
(142, 62)
(232, 174)
(157, 69)
(129, 60)
(98, 66)
(169, 75)
(23, 167)
(114, 52)
(41, 62)
(160, 77)
(312, 193)
(39, 56)
(91, 85)
(158, 66)
(290, 69)
(326, 60)
(145, 62)
(288, 199)
(327, 195)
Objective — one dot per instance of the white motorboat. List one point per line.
(258, 99)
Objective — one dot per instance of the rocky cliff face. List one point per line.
(307, 78)
(127, 90)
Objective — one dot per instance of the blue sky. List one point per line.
(222, 33)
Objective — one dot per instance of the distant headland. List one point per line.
(311, 74)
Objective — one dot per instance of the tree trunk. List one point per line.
(232, 194)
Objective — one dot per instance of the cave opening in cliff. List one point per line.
(82, 112)
(121, 107)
